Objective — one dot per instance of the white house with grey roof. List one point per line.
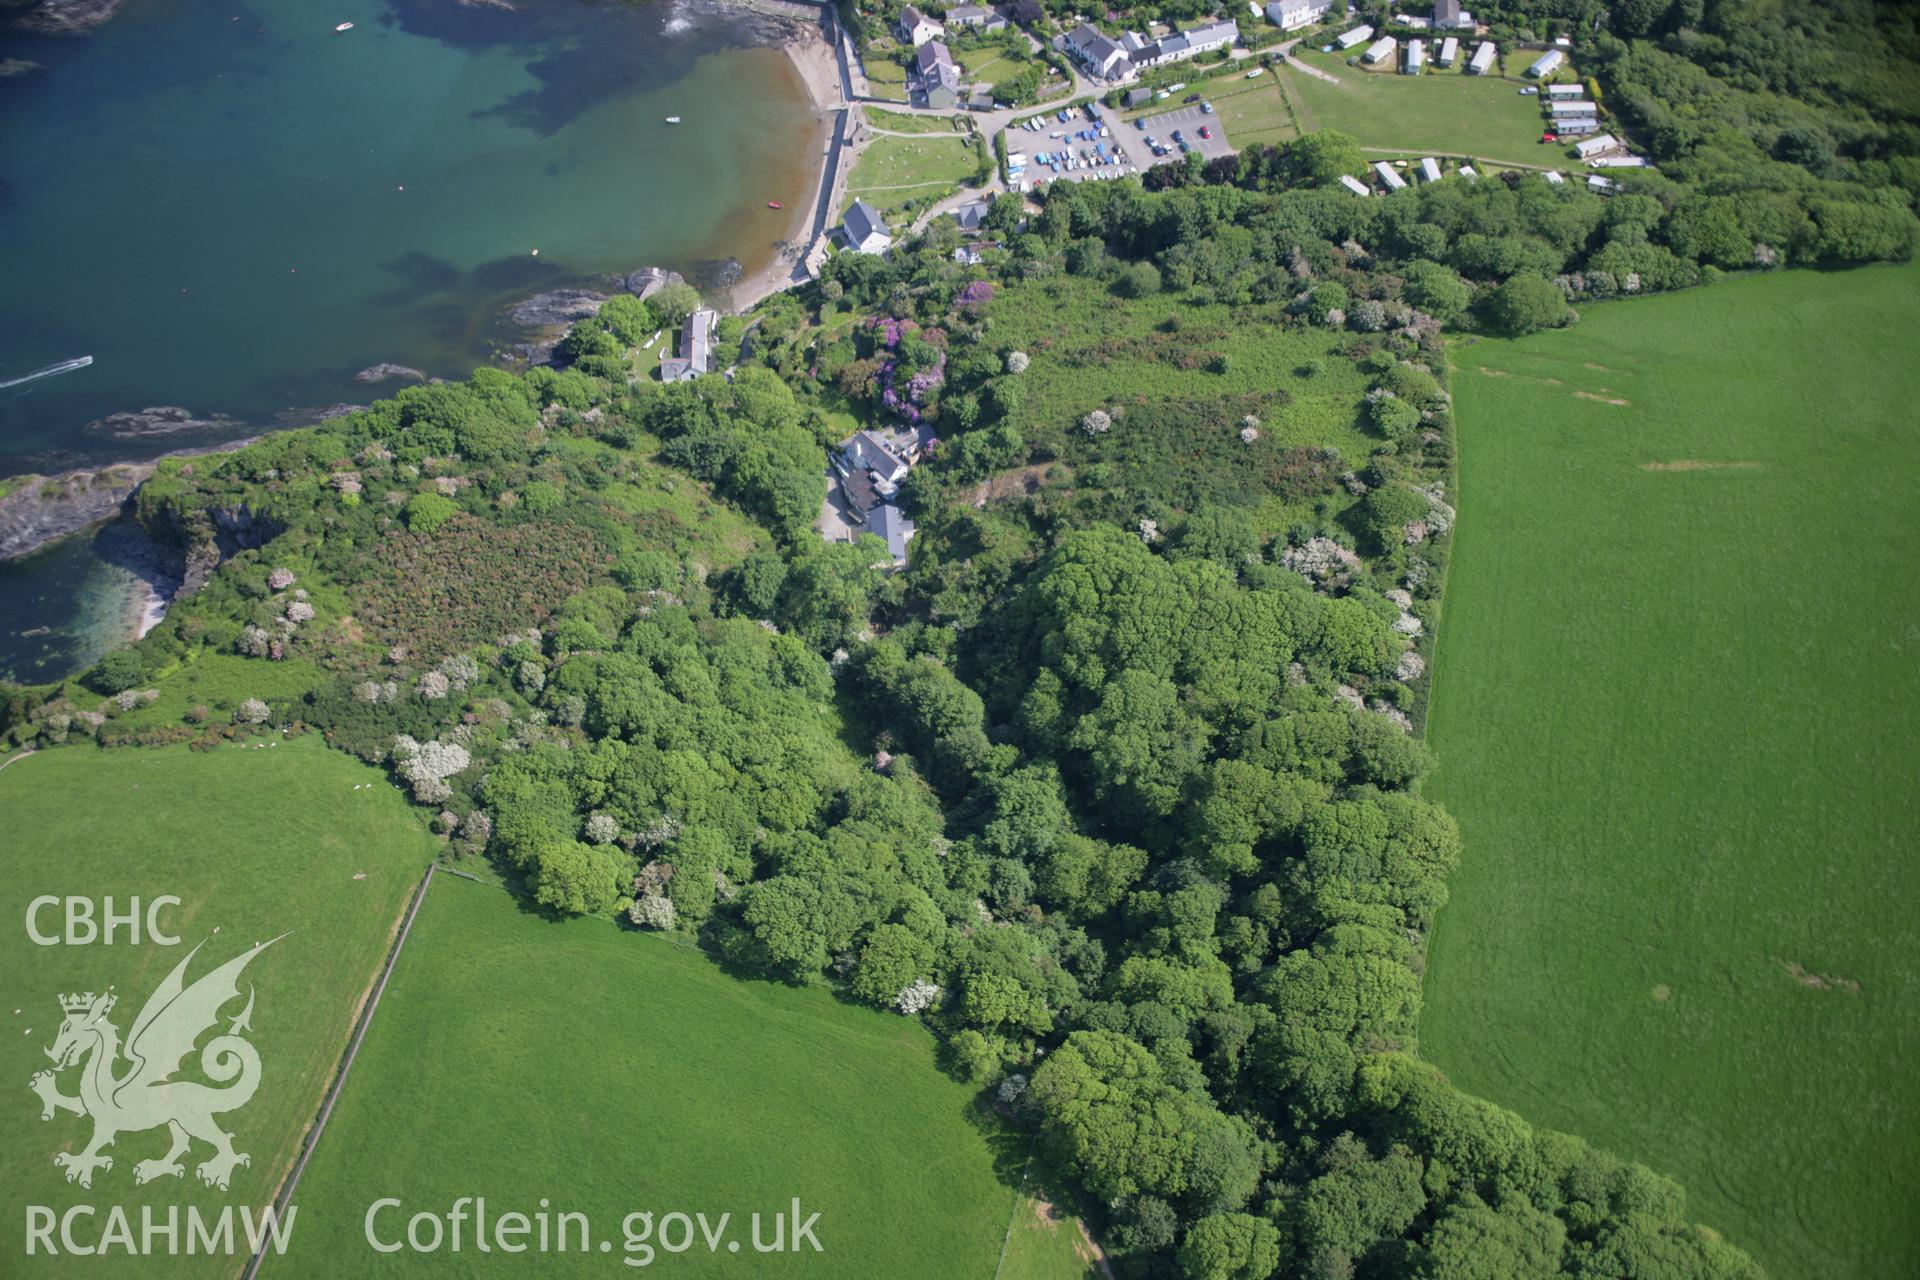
(1095, 51)
(935, 80)
(864, 230)
(696, 349)
(916, 28)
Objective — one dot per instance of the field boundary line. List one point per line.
(285, 1196)
(1019, 1198)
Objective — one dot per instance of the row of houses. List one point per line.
(1109, 59)
(916, 28)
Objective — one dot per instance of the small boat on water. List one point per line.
(345, 26)
(673, 119)
(775, 204)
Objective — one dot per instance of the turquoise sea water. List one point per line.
(233, 209)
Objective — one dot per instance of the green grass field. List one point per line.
(255, 843)
(1677, 709)
(885, 77)
(1119, 351)
(1441, 111)
(1252, 111)
(614, 1072)
(892, 172)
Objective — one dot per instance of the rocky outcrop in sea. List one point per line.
(384, 372)
(42, 508)
(556, 306)
(67, 17)
(158, 421)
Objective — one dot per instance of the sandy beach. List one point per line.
(812, 56)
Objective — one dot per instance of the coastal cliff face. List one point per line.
(43, 508)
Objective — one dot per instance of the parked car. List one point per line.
(1205, 132)
(1206, 108)
(1192, 97)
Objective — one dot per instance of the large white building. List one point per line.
(1095, 51)
(1290, 15)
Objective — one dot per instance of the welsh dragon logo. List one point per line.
(144, 1095)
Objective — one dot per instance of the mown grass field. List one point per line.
(1441, 111)
(1253, 111)
(885, 77)
(893, 172)
(1676, 711)
(613, 1072)
(255, 843)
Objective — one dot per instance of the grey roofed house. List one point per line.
(893, 525)
(1139, 97)
(696, 349)
(935, 77)
(1096, 52)
(1446, 12)
(916, 28)
(1449, 50)
(1575, 126)
(1388, 178)
(868, 452)
(972, 214)
(864, 230)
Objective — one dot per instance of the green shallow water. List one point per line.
(233, 209)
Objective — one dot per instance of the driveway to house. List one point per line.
(835, 521)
